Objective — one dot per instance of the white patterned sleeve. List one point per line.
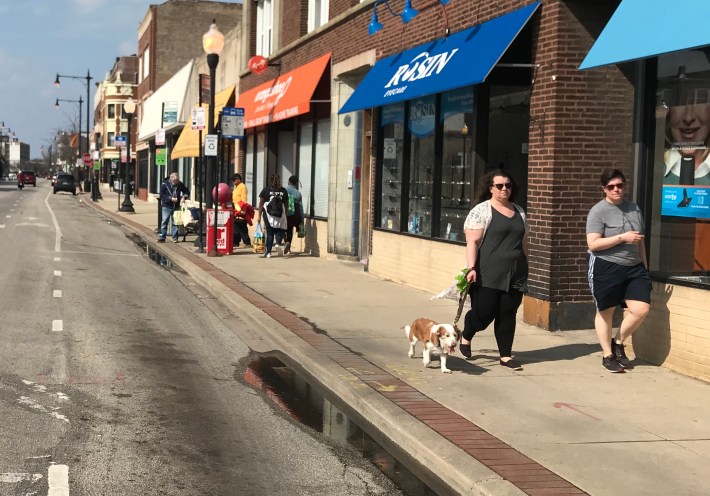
(475, 219)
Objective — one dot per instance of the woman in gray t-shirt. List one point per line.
(617, 268)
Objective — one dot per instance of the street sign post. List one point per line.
(86, 158)
(233, 123)
(120, 141)
(198, 118)
(210, 145)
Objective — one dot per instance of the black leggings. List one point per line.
(488, 305)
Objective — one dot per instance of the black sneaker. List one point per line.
(611, 365)
(620, 354)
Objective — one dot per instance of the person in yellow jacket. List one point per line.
(239, 197)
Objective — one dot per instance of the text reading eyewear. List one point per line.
(610, 187)
(501, 185)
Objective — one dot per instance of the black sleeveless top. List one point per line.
(501, 263)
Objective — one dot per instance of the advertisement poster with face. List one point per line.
(686, 178)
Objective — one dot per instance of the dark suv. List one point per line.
(65, 182)
(28, 177)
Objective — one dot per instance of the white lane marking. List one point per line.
(41, 388)
(58, 479)
(57, 293)
(58, 273)
(12, 210)
(11, 477)
(57, 326)
(2, 226)
(57, 259)
(8, 216)
(36, 406)
(57, 231)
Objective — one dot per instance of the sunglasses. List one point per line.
(610, 187)
(500, 186)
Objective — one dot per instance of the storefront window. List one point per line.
(422, 126)
(249, 168)
(321, 166)
(457, 165)
(305, 170)
(680, 207)
(392, 125)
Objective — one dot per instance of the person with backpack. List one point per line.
(294, 214)
(273, 204)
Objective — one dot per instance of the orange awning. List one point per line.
(287, 96)
(188, 143)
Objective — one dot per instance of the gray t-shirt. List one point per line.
(611, 220)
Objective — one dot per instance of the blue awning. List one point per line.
(646, 28)
(462, 59)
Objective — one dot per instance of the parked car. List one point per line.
(65, 182)
(28, 177)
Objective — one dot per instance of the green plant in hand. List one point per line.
(461, 281)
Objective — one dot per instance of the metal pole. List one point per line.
(212, 61)
(200, 185)
(127, 205)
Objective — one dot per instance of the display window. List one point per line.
(680, 177)
(392, 125)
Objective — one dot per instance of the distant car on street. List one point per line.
(65, 182)
(28, 177)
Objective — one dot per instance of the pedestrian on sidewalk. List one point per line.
(273, 202)
(239, 199)
(617, 268)
(294, 215)
(172, 192)
(496, 249)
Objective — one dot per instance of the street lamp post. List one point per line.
(127, 206)
(212, 42)
(80, 102)
(87, 82)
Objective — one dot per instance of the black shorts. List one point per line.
(612, 284)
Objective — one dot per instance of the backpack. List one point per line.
(275, 207)
(291, 206)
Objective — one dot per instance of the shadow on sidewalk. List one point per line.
(558, 353)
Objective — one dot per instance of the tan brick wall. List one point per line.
(422, 263)
(676, 333)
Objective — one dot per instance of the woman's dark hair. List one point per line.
(486, 183)
(609, 174)
(275, 181)
(293, 180)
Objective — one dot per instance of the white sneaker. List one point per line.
(279, 250)
(267, 255)
(287, 249)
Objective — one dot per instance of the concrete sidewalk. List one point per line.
(560, 426)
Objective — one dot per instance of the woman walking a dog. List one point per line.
(497, 264)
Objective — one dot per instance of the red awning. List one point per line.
(287, 96)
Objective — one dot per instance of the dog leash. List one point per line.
(462, 300)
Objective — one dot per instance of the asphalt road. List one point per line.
(119, 377)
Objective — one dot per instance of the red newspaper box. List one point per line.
(225, 230)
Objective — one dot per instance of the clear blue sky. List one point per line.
(40, 38)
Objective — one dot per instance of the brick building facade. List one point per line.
(553, 127)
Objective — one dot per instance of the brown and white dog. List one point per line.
(435, 337)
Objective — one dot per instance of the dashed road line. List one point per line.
(58, 479)
(58, 273)
(57, 293)
(57, 259)
(13, 477)
(57, 326)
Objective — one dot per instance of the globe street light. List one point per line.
(212, 43)
(127, 206)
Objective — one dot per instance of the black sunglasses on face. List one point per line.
(610, 187)
(500, 185)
